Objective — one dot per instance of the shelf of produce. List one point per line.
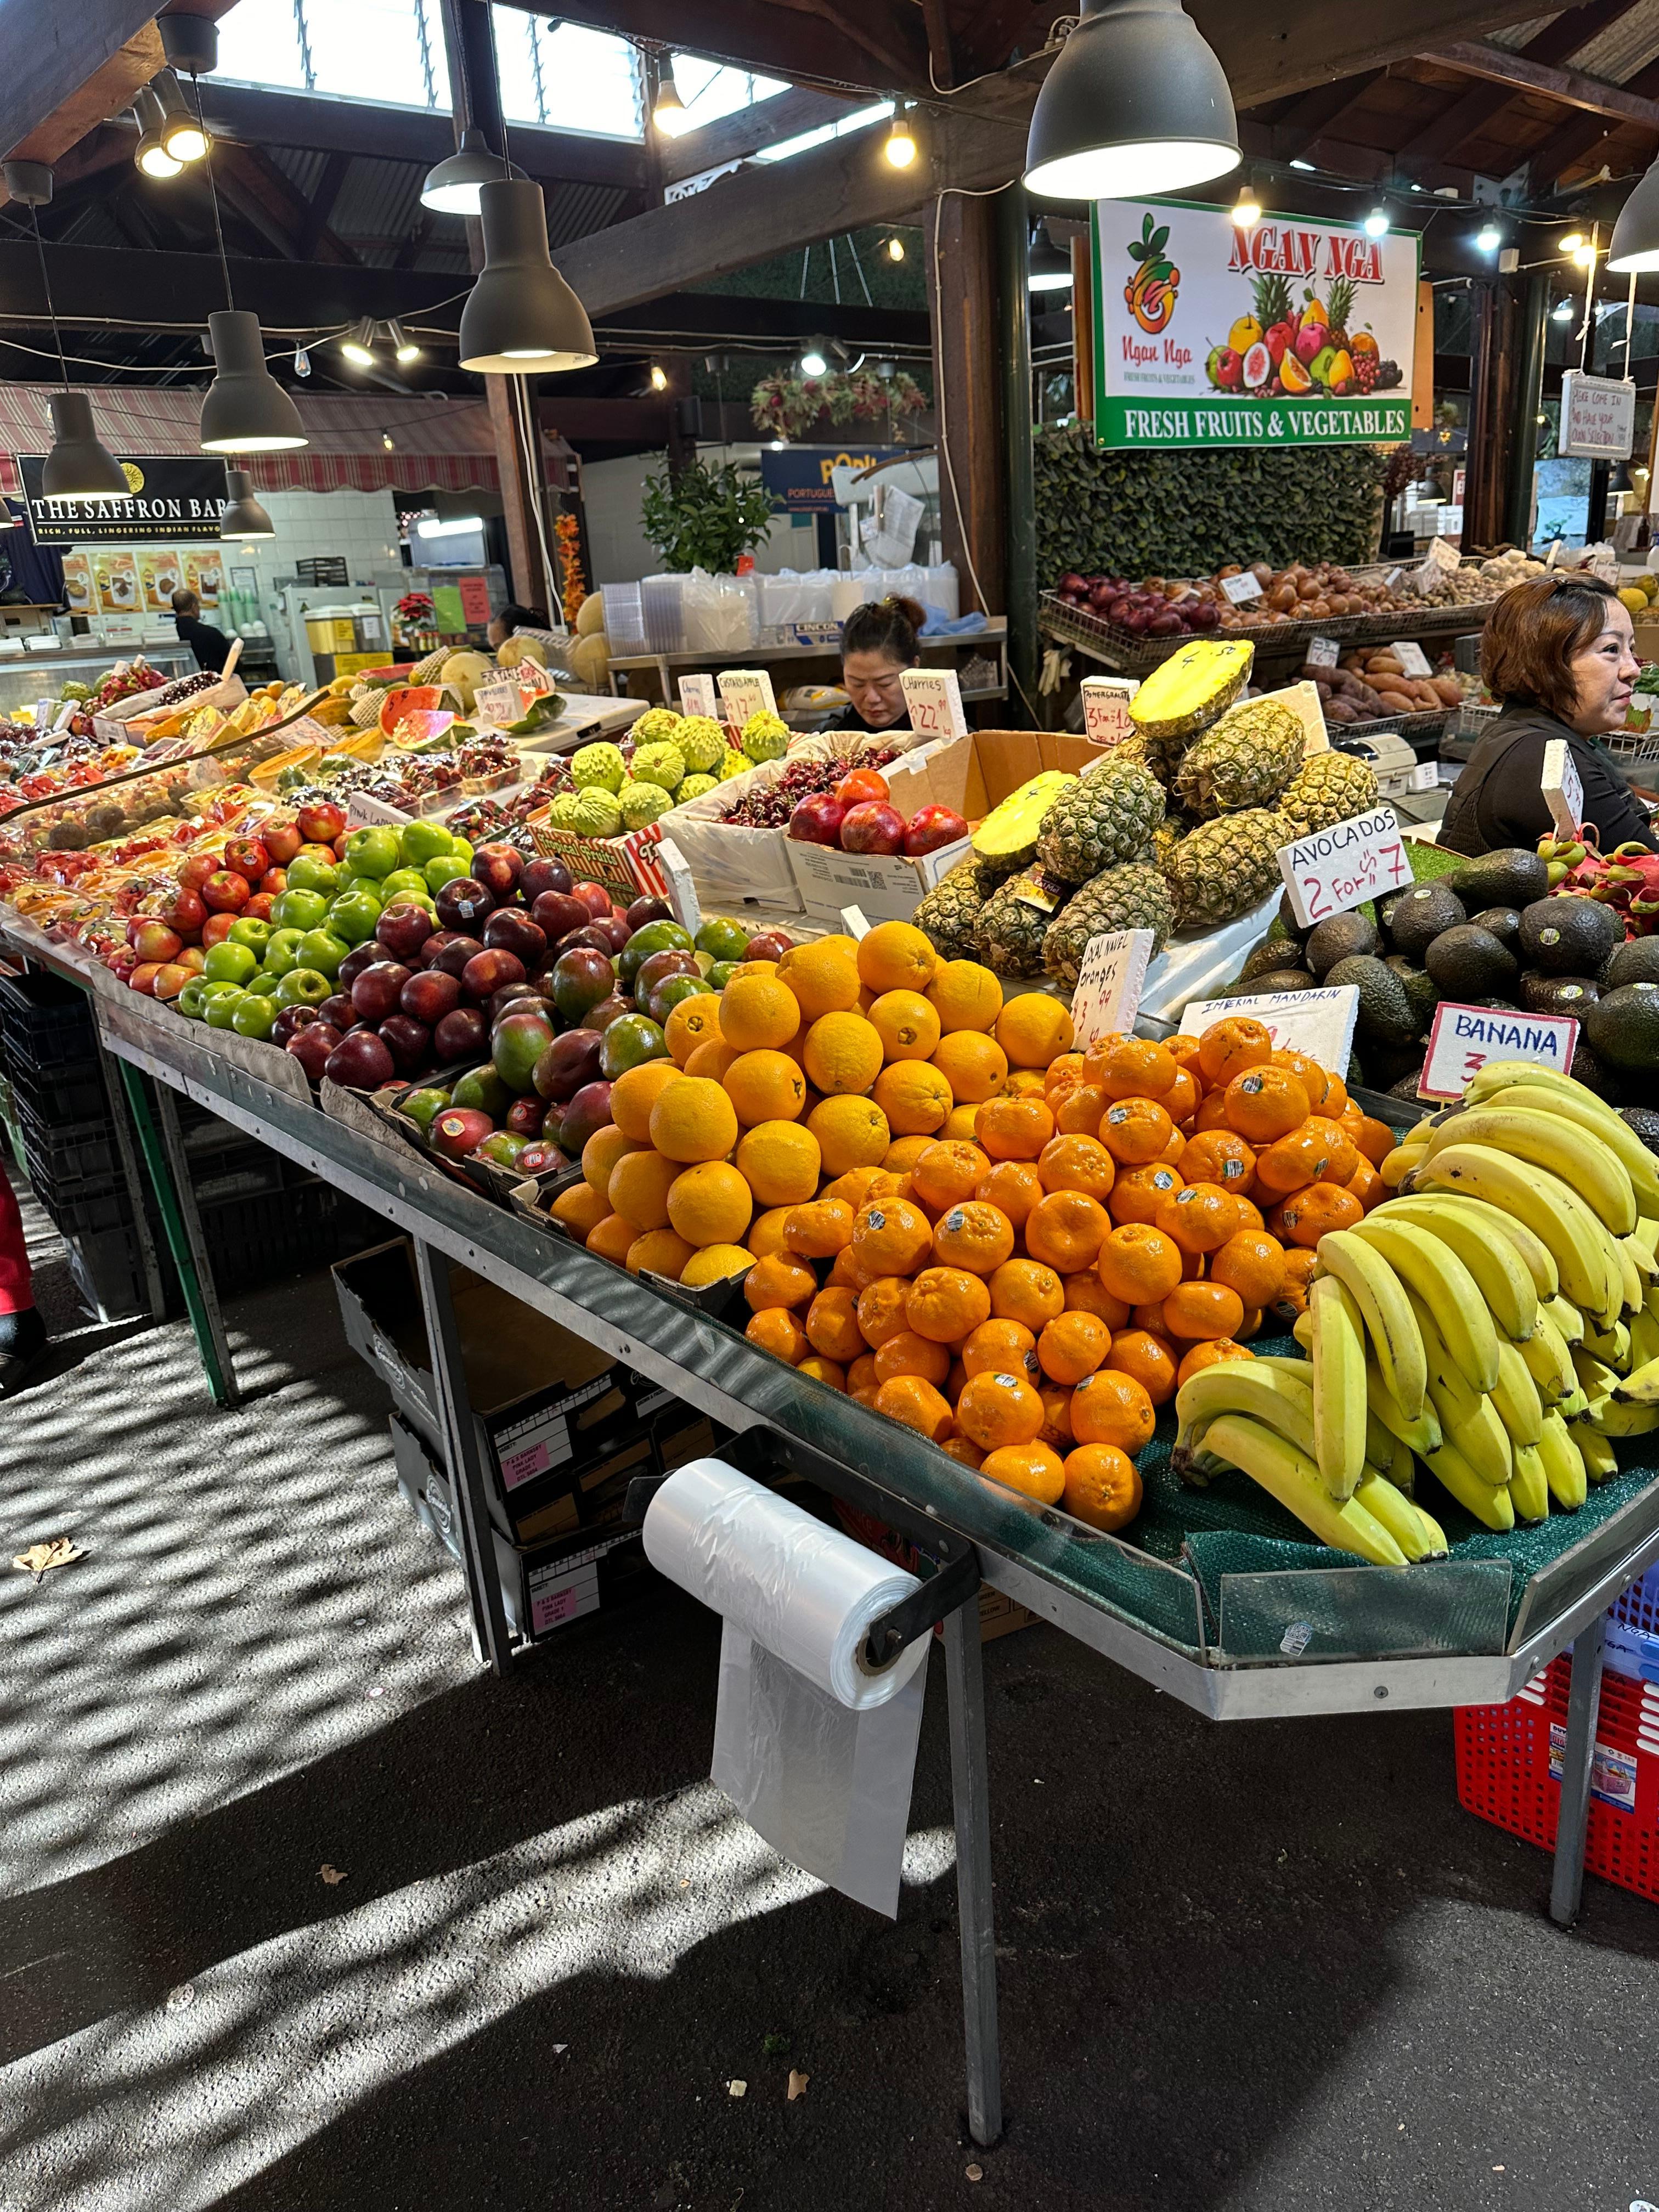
(994, 635)
(1131, 655)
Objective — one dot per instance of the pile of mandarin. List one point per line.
(1018, 1250)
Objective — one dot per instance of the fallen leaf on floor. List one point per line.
(797, 2082)
(737, 2088)
(975, 2172)
(182, 1998)
(40, 1558)
(332, 1875)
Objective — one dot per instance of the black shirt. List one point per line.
(212, 646)
(1496, 801)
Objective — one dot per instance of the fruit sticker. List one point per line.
(1296, 332)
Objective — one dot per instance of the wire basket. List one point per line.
(1635, 748)
(1136, 655)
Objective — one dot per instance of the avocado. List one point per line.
(1512, 876)
(1645, 1122)
(1542, 993)
(1274, 978)
(1595, 1075)
(1622, 1028)
(1470, 964)
(1420, 989)
(1503, 922)
(1272, 954)
(1385, 1009)
(1344, 937)
(1568, 936)
(1634, 962)
(1415, 918)
(1288, 922)
(1407, 1086)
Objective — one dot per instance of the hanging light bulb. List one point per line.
(668, 109)
(1488, 237)
(1247, 208)
(388, 441)
(451, 188)
(813, 362)
(404, 347)
(895, 249)
(301, 362)
(1376, 223)
(1571, 242)
(1136, 103)
(243, 517)
(522, 316)
(358, 344)
(1584, 256)
(152, 155)
(901, 147)
(182, 132)
(78, 466)
(659, 377)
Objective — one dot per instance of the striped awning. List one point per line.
(437, 441)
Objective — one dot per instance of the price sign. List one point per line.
(700, 695)
(933, 699)
(682, 891)
(1110, 981)
(744, 692)
(1334, 869)
(1391, 581)
(1106, 717)
(1464, 1038)
(854, 922)
(1324, 652)
(1245, 585)
(1319, 1023)
(498, 703)
(1303, 701)
(1411, 657)
(1563, 791)
(533, 680)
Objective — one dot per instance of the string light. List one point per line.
(895, 249)
(1376, 223)
(1571, 242)
(659, 377)
(668, 109)
(901, 148)
(301, 362)
(813, 362)
(1489, 238)
(1247, 208)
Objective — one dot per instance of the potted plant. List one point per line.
(705, 517)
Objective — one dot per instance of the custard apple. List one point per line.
(765, 737)
(734, 764)
(701, 740)
(598, 814)
(658, 726)
(562, 812)
(694, 787)
(663, 764)
(641, 803)
(598, 766)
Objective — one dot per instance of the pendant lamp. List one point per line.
(451, 188)
(78, 466)
(1136, 103)
(521, 317)
(243, 517)
(245, 410)
(1636, 235)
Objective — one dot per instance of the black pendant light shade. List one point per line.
(1636, 235)
(1135, 104)
(243, 517)
(79, 466)
(521, 318)
(451, 188)
(245, 410)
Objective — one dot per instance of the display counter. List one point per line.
(28, 676)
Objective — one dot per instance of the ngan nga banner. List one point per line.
(1294, 332)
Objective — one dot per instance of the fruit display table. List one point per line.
(1236, 1634)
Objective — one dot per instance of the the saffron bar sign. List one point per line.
(1294, 332)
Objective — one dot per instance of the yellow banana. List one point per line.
(1646, 1231)
(1530, 1248)
(1400, 1467)
(1564, 1464)
(1601, 1460)
(1473, 1234)
(1293, 1479)
(1530, 1493)
(1392, 1510)
(1429, 1266)
(1398, 1165)
(1380, 1442)
(1281, 1402)
(1548, 1361)
(1643, 1339)
(1595, 1378)
(1438, 1546)
(1635, 1284)
(1610, 1346)
(1302, 1330)
(1468, 1417)
(1581, 1157)
(1544, 1203)
(1514, 1395)
(1589, 1113)
(1568, 1318)
(1642, 1259)
(1489, 1503)
(1617, 1417)
(1422, 1435)
(1339, 1390)
(1384, 1307)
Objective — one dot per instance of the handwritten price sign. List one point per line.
(1110, 981)
(933, 697)
(744, 692)
(1106, 717)
(1319, 1023)
(1464, 1038)
(698, 695)
(1563, 792)
(1343, 866)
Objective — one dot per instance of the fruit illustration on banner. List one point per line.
(1150, 293)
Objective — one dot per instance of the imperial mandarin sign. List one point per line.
(1294, 332)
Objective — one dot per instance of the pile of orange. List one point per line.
(937, 1204)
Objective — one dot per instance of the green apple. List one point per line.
(265, 985)
(462, 850)
(352, 917)
(304, 986)
(421, 841)
(321, 950)
(189, 1001)
(405, 883)
(300, 909)
(305, 874)
(444, 870)
(372, 852)
(229, 962)
(218, 1011)
(254, 1016)
(282, 950)
(249, 930)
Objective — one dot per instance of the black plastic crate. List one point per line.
(74, 1092)
(91, 1214)
(46, 1023)
(283, 1232)
(75, 1156)
(108, 1272)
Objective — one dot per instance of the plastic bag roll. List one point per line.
(806, 1592)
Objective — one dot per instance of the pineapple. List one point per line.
(1246, 759)
(1163, 756)
(1226, 866)
(1192, 689)
(947, 914)
(1007, 837)
(1332, 787)
(1339, 306)
(1133, 896)
(1108, 815)
(1273, 300)
(1015, 921)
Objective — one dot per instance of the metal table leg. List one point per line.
(491, 1640)
(169, 1173)
(1583, 1706)
(132, 1176)
(971, 1786)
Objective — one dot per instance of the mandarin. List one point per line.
(1065, 1229)
(778, 1281)
(903, 1152)
(998, 1409)
(1036, 1470)
(1085, 1293)
(1218, 1156)
(1136, 1130)
(766, 1232)
(917, 1404)
(1056, 1430)
(1012, 1129)
(1264, 1103)
(1111, 1407)
(946, 1304)
(1077, 1163)
(1148, 1356)
(818, 1229)
(948, 1172)
(832, 1325)
(974, 1235)
(1132, 1067)
(1072, 1345)
(1026, 1291)
(960, 1447)
(904, 1353)
(821, 1370)
(1013, 1187)
(891, 1237)
(1228, 1048)
(1308, 1214)
(776, 1330)
(1200, 1219)
(1079, 1108)
(881, 1308)
(1007, 1346)
(1206, 1353)
(1138, 1262)
(1138, 1192)
(1252, 1263)
(1307, 1073)
(1101, 1486)
(1202, 1310)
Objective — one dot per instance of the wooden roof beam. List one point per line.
(738, 137)
(1471, 112)
(1571, 87)
(880, 44)
(1579, 136)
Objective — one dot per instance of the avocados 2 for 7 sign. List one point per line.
(1294, 332)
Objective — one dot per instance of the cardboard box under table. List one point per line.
(969, 775)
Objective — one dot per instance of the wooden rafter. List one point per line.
(1571, 87)
(1472, 111)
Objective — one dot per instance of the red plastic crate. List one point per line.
(1504, 1755)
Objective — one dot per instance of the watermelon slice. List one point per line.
(409, 698)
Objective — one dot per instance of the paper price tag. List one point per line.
(533, 680)
(498, 703)
(1106, 717)
(1605, 567)
(1319, 1023)
(1343, 866)
(743, 692)
(1563, 790)
(1324, 652)
(1244, 585)
(1464, 1038)
(933, 699)
(855, 921)
(1411, 657)
(1110, 981)
(1391, 581)
(682, 891)
(699, 694)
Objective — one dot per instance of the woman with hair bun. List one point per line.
(878, 644)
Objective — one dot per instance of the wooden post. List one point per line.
(1493, 394)
(1083, 329)
(1528, 401)
(962, 287)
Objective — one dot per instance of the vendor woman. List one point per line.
(878, 644)
(1558, 655)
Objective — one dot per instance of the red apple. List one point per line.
(217, 926)
(315, 851)
(458, 1131)
(403, 928)
(818, 820)
(359, 957)
(463, 904)
(274, 881)
(192, 957)
(556, 914)
(486, 972)
(498, 868)
(320, 822)
(186, 914)
(461, 1034)
(590, 938)
(151, 939)
(249, 858)
(593, 896)
(170, 979)
(540, 876)
(860, 785)
(872, 826)
(292, 1020)
(339, 848)
(281, 840)
(359, 1061)
(339, 1010)
(194, 871)
(376, 991)
(409, 1041)
(314, 1046)
(511, 930)
(142, 978)
(259, 906)
(226, 892)
(932, 827)
(439, 940)
(569, 1063)
(428, 995)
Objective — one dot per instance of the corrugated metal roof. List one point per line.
(575, 210)
(1624, 47)
(301, 165)
(1516, 35)
(378, 199)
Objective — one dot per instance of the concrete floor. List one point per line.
(1259, 1968)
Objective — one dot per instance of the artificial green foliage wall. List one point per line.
(1185, 513)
